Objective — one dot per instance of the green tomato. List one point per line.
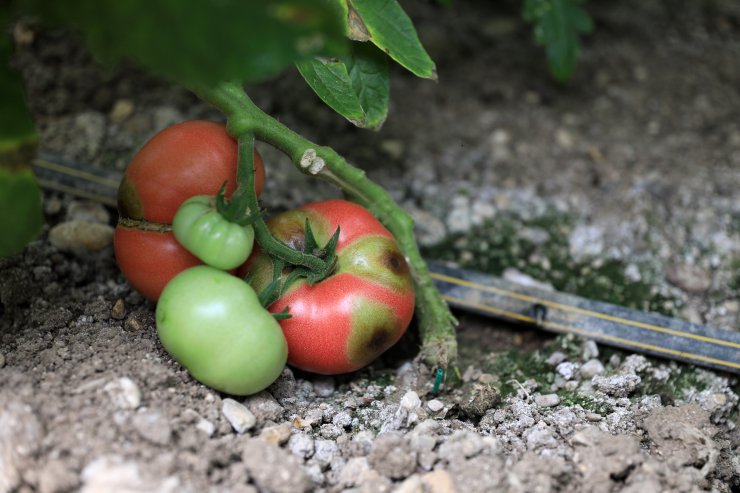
(213, 324)
(205, 233)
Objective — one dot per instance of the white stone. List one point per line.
(435, 405)
(124, 393)
(240, 418)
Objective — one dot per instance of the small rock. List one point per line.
(412, 484)
(114, 474)
(325, 451)
(301, 444)
(124, 393)
(518, 277)
(393, 147)
(691, 278)
(274, 469)
(342, 419)
(285, 385)
(556, 358)
(439, 481)
(392, 456)
(122, 109)
(241, 418)
(277, 434)
(330, 431)
(55, 477)
(264, 407)
(591, 368)
(81, 235)
(324, 386)
(462, 444)
(590, 350)
(410, 401)
(21, 433)
(620, 385)
(87, 211)
(352, 471)
(547, 400)
(153, 426)
(567, 370)
(118, 311)
(206, 427)
(435, 405)
(2, 360)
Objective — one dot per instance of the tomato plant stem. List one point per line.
(246, 197)
(436, 323)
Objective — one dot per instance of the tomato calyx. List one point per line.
(237, 209)
(284, 275)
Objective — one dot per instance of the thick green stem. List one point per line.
(436, 323)
(245, 191)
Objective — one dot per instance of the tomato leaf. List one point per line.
(557, 26)
(357, 85)
(385, 24)
(21, 216)
(202, 41)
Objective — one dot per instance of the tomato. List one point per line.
(364, 307)
(213, 324)
(187, 159)
(205, 233)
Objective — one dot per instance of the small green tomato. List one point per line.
(205, 233)
(213, 324)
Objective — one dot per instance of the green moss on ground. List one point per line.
(499, 244)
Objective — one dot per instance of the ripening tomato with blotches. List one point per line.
(191, 158)
(361, 309)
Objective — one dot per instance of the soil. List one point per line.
(620, 185)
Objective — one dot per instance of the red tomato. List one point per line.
(347, 320)
(187, 159)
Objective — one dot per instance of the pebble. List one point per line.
(435, 405)
(113, 473)
(153, 426)
(118, 311)
(240, 418)
(21, 433)
(277, 434)
(620, 385)
(556, 358)
(264, 407)
(547, 400)
(122, 109)
(567, 370)
(124, 393)
(590, 350)
(410, 401)
(439, 481)
(87, 211)
(324, 386)
(325, 451)
(301, 444)
(81, 235)
(56, 477)
(591, 368)
(691, 278)
(477, 399)
(206, 427)
(274, 469)
(392, 456)
(518, 277)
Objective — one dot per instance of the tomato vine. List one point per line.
(246, 122)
